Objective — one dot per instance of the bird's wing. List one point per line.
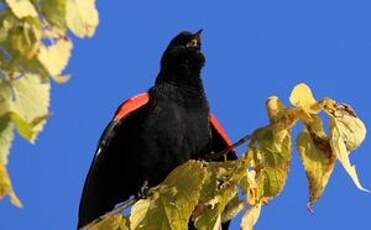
(98, 195)
(220, 139)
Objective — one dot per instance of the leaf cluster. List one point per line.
(34, 47)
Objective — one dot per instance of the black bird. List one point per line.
(154, 132)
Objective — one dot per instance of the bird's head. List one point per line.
(183, 56)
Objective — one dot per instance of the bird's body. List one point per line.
(145, 144)
(171, 132)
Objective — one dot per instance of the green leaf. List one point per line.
(271, 163)
(6, 138)
(82, 17)
(55, 58)
(54, 12)
(24, 38)
(171, 207)
(250, 217)
(232, 209)
(249, 187)
(26, 101)
(26, 64)
(317, 158)
(115, 222)
(276, 109)
(7, 22)
(218, 190)
(22, 8)
(6, 188)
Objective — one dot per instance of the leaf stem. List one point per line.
(121, 207)
(222, 153)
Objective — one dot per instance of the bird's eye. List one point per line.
(193, 43)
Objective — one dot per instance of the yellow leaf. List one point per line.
(26, 101)
(61, 79)
(115, 222)
(351, 128)
(353, 131)
(270, 163)
(139, 211)
(282, 120)
(6, 187)
(232, 209)
(218, 190)
(302, 97)
(55, 57)
(54, 12)
(339, 148)
(250, 217)
(275, 108)
(6, 138)
(317, 158)
(82, 17)
(22, 8)
(249, 187)
(172, 205)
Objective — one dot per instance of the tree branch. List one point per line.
(222, 153)
(124, 205)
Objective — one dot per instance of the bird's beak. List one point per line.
(196, 41)
(197, 35)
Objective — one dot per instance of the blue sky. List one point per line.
(254, 49)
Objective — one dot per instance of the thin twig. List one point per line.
(220, 154)
(117, 210)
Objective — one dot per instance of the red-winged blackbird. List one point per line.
(154, 132)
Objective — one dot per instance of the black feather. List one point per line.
(146, 145)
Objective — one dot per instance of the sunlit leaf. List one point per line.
(7, 23)
(250, 217)
(23, 38)
(114, 222)
(82, 17)
(275, 108)
(317, 158)
(22, 8)
(351, 128)
(301, 96)
(218, 190)
(6, 188)
(6, 138)
(55, 58)
(171, 207)
(54, 12)
(34, 45)
(282, 119)
(26, 100)
(340, 149)
(61, 79)
(249, 187)
(232, 209)
(270, 163)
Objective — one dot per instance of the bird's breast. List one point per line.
(172, 135)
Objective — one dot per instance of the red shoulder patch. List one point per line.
(131, 105)
(218, 127)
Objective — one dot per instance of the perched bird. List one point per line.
(154, 132)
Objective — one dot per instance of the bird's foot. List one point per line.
(144, 191)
